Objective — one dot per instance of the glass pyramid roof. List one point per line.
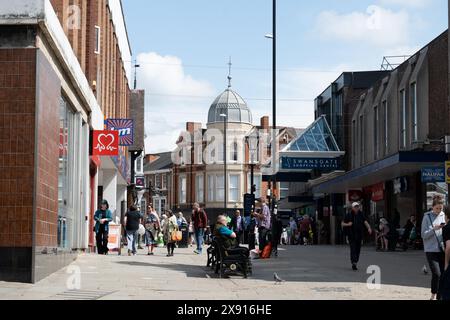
(317, 138)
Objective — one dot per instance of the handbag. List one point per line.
(177, 236)
(441, 244)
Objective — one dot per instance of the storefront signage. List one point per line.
(433, 174)
(447, 172)
(125, 127)
(400, 185)
(288, 163)
(140, 182)
(105, 143)
(377, 192)
(355, 195)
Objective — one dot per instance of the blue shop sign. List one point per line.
(433, 174)
(309, 163)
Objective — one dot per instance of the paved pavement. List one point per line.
(311, 273)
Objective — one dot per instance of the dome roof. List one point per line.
(231, 104)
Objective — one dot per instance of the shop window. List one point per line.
(183, 190)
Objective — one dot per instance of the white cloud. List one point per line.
(170, 99)
(376, 26)
(406, 3)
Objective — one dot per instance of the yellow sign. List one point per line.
(447, 172)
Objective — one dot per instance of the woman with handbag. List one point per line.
(171, 233)
(432, 225)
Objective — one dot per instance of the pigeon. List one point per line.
(425, 270)
(277, 279)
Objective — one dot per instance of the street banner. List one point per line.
(433, 174)
(105, 143)
(125, 128)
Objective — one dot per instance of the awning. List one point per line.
(401, 164)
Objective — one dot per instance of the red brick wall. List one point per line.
(47, 117)
(17, 145)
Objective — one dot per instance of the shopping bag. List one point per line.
(177, 236)
(267, 252)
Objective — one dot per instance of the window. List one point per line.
(200, 188)
(211, 194)
(183, 190)
(138, 164)
(354, 135)
(220, 187)
(158, 181)
(361, 137)
(284, 190)
(403, 119)
(164, 181)
(376, 117)
(97, 40)
(221, 153)
(415, 128)
(234, 152)
(257, 183)
(386, 127)
(234, 188)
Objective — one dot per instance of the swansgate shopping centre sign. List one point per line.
(288, 163)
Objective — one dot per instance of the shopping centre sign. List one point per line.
(288, 163)
(105, 143)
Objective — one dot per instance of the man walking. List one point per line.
(200, 223)
(263, 219)
(237, 224)
(354, 224)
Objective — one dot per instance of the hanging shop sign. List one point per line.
(288, 163)
(140, 182)
(355, 195)
(433, 174)
(447, 172)
(400, 185)
(105, 143)
(125, 127)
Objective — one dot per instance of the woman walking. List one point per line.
(432, 225)
(170, 226)
(102, 218)
(152, 227)
(132, 221)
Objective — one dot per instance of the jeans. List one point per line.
(436, 260)
(355, 250)
(199, 234)
(252, 241)
(131, 240)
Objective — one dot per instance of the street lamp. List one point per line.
(225, 117)
(135, 73)
(273, 37)
(253, 144)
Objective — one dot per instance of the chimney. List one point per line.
(265, 122)
(192, 127)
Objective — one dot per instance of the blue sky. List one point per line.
(184, 46)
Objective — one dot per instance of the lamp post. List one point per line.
(273, 37)
(253, 143)
(225, 127)
(135, 73)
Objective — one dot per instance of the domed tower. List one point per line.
(232, 105)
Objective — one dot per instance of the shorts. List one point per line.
(150, 238)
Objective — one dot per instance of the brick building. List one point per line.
(64, 70)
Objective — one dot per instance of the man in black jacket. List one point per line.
(238, 226)
(354, 224)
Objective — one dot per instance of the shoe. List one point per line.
(151, 254)
(129, 253)
(168, 255)
(197, 252)
(354, 267)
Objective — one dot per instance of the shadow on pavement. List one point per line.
(320, 264)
